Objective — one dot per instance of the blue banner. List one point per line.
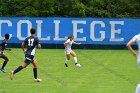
(113, 31)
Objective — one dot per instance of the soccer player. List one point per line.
(136, 38)
(2, 55)
(69, 51)
(31, 42)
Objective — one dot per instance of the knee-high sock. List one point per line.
(35, 73)
(4, 64)
(66, 61)
(18, 69)
(75, 59)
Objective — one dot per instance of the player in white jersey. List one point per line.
(136, 39)
(69, 51)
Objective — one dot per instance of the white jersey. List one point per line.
(68, 44)
(136, 38)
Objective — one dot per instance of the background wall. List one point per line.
(54, 31)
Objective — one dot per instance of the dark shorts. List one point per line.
(29, 59)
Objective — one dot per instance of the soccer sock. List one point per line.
(4, 64)
(75, 60)
(18, 69)
(35, 73)
(66, 61)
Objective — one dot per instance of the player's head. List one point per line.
(32, 31)
(71, 37)
(7, 36)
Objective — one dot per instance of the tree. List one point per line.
(70, 8)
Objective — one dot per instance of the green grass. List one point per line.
(102, 71)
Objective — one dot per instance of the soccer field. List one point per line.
(102, 71)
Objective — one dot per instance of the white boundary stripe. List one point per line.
(28, 58)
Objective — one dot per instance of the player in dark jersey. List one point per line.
(31, 43)
(2, 55)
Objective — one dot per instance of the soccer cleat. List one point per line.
(76, 63)
(11, 75)
(66, 65)
(37, 80)
(3, 70)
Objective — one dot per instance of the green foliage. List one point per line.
(70, 8)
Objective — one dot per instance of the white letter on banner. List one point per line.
(29, 24)
(76, 30)
(39, 26)
(114, 31)
(6, 22)
(57, 22)
(92, 31)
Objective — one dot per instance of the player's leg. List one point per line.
(27, 61)
(67, 59)
(74, 56)
(67, 52)
(24, 65)
(138, 89)
(35, 64)
(6, 59)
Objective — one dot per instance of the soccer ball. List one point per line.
(78, 65)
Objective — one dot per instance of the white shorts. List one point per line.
(68, 51)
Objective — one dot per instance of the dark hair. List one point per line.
(70, 36)
(32, 31)
(7, 36)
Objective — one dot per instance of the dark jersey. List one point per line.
(3, 46)
(31, 43)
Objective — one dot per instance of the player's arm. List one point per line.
(3, 43)
(8, 49)
(65, 44)
(76, 43)
(130, 47)
(22, 46)
(39, 46)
